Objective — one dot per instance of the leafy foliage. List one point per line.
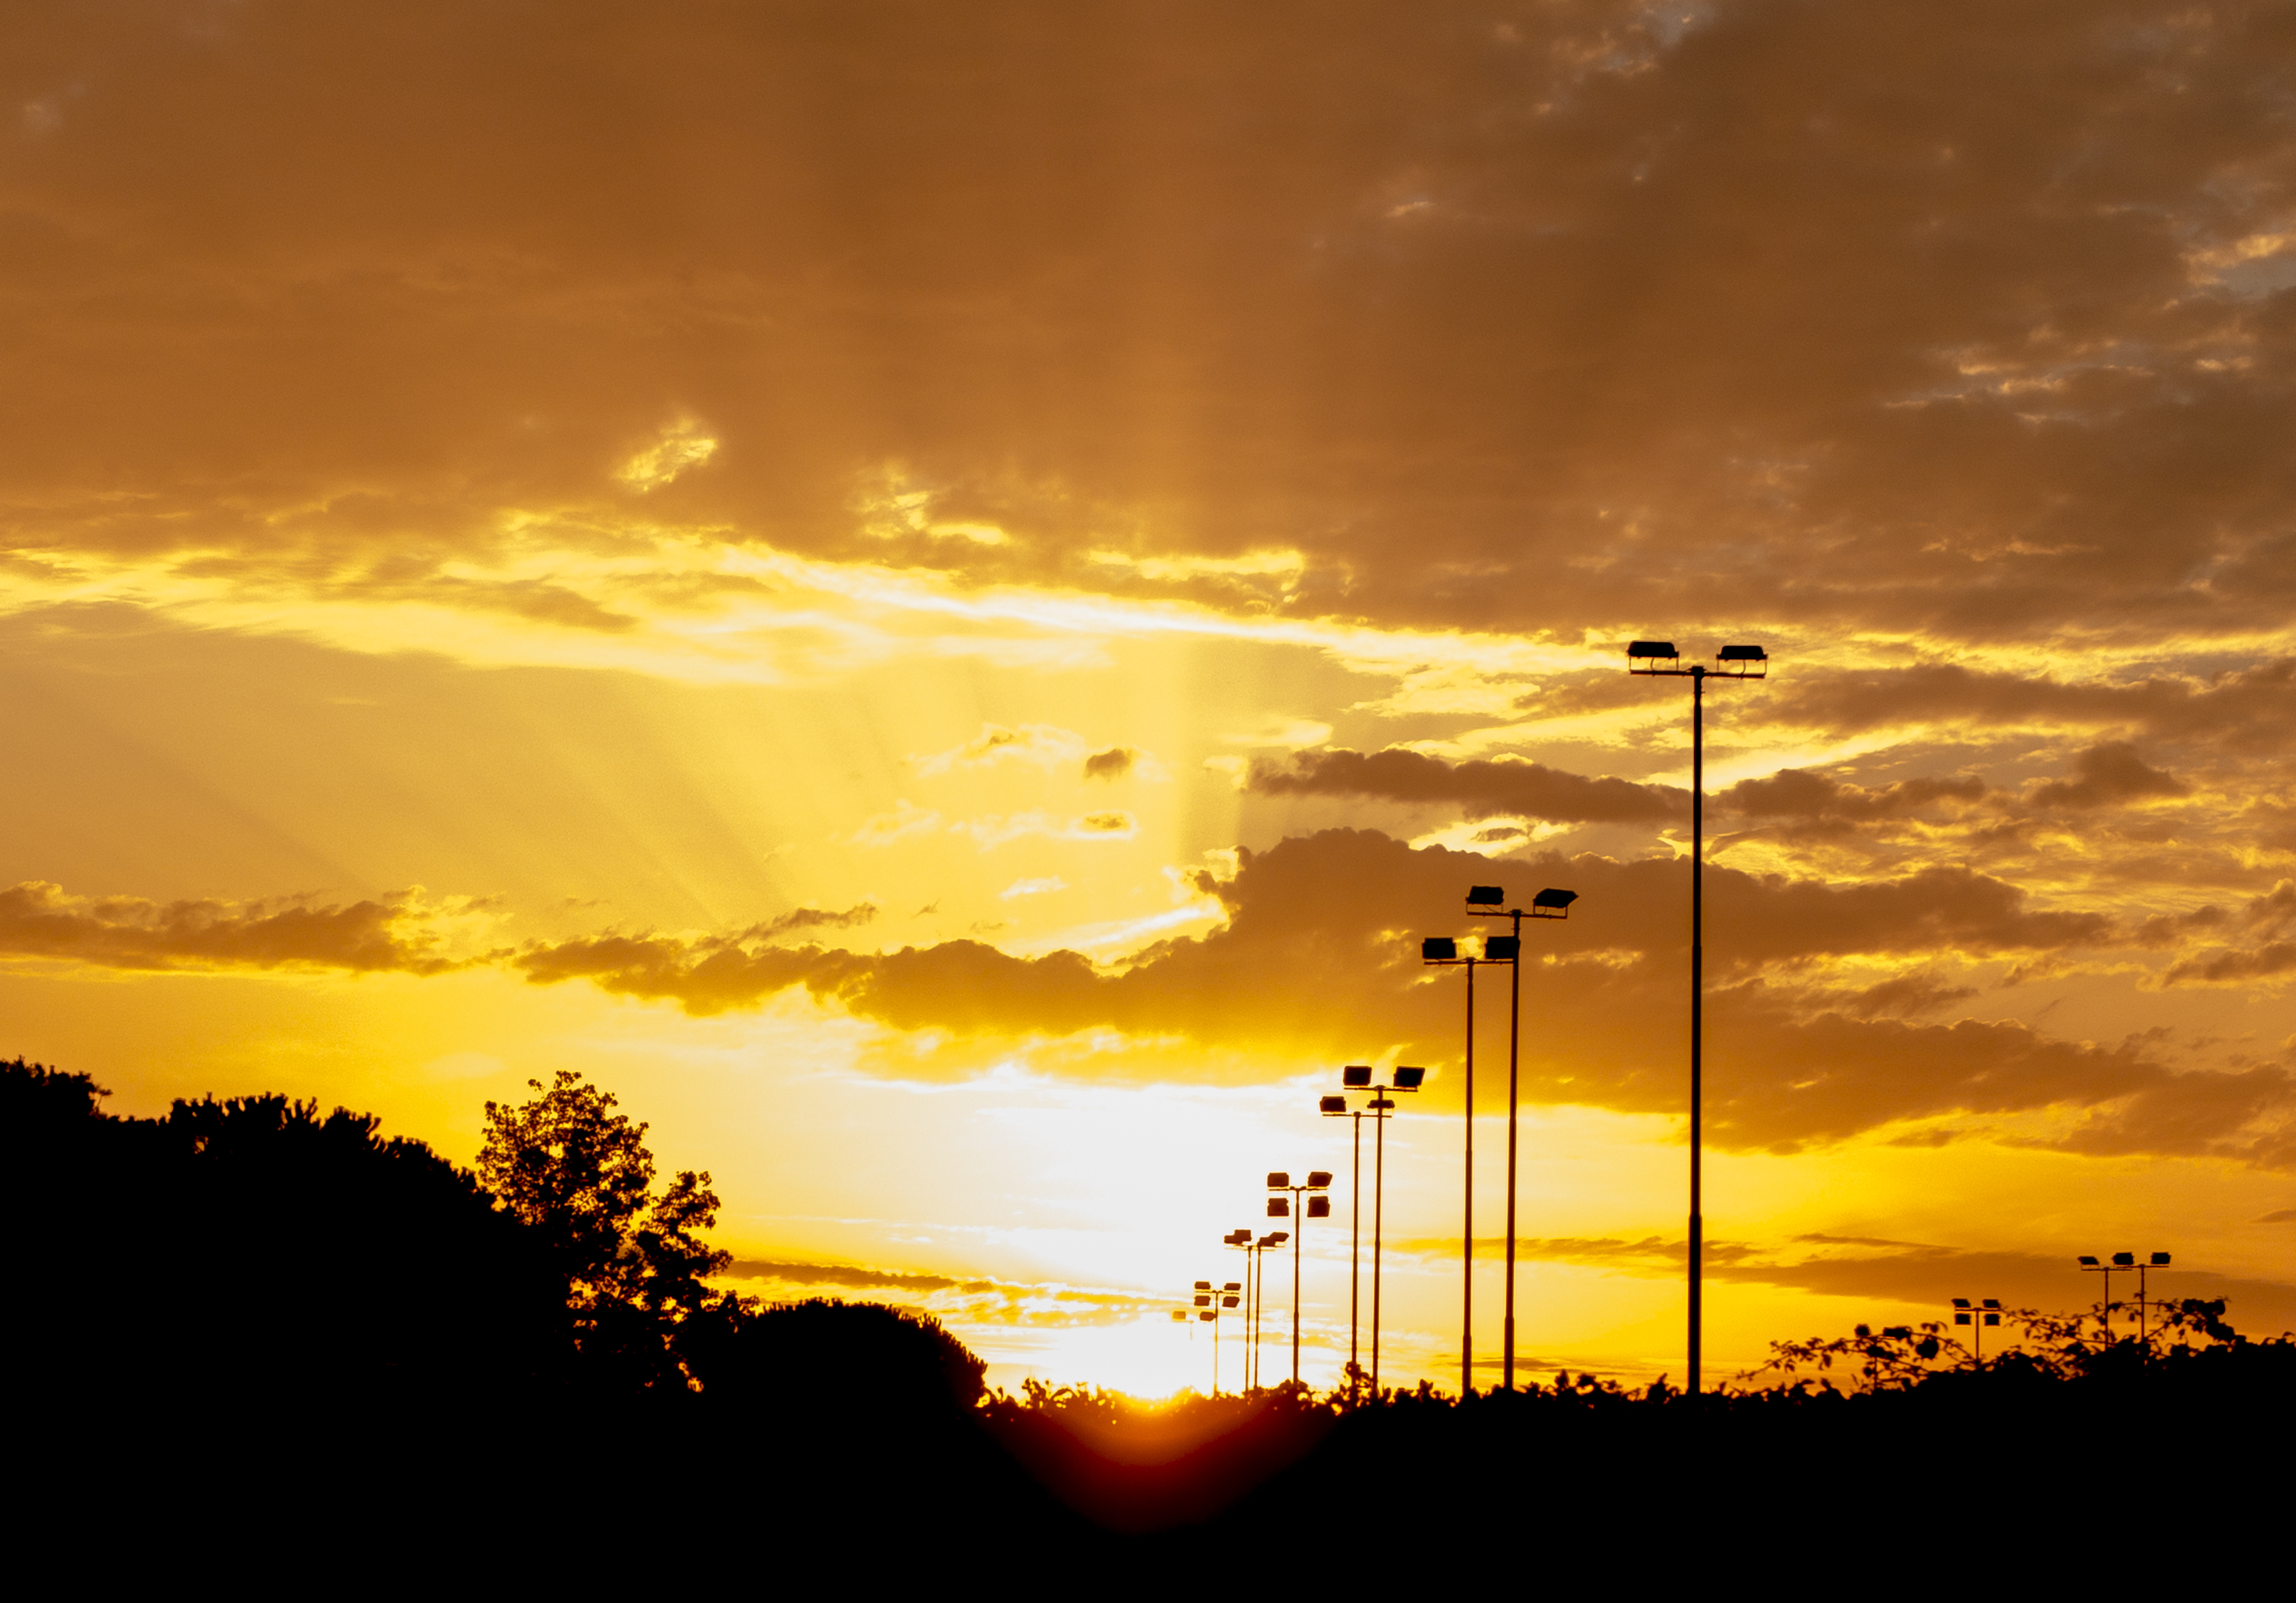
(578, 1173)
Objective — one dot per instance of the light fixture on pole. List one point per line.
(1439, 952)
(1336, 1108)
(1980, 1318)
(1209, 1304)
(2124, 1262)
(1358, 1076)
(1659, 659)
(1490, 902)
(1241, 1240)
(1302, 1203)
(1261, 1247)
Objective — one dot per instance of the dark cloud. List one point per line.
(1481, 788)
(1114, 763)
(39, 919)
(1511, 314)
(1319, 956)
(2105, 774)
(1820, 804)
(814, 918)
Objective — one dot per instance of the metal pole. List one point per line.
(1697, 996)
(1467, 1256)
(1378, 1216)
(1515, 1033)
(1298, 1236)
(1355, 1251)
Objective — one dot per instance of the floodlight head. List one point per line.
(1319, 1207)
(1991, 1302)
(1208, 1316)
(1960, 1318)
(1381, 1104)
(1180, 1315)
(1318, 1179)
(1656, 653)
(1960, 1302)
(2124, 1260)
(1203, 1285)
(1743, 654)
(1279, 1180)
(1279, 1208)
(1234, 1284)
(1992, 1319)
(2087, 1263)
(1236, 1238)
(1231, 1302)
(1275, 1238)
(1204, 1300)
(1501, 948)
(2160, 1260)
(1553, 903)
(1486, 895)
(1328, 1106)
(1409, 1079)
(1356, 1076)
(1439, 949)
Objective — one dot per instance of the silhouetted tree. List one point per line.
(579, 1176)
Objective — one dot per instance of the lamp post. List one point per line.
(1209, 1304)
(2124, 1262)
(1336, 1108)
(1241, 1240)
(1260, 1248)
(1977, 1319)
(1302, 1202)
(1659, 659)
(1440, 951)
(1490, 902)
(1357, 1077)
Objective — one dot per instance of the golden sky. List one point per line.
(937, 595)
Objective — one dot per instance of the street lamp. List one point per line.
(1660, 660)
(1490, 902)
(1441, 951)
(1302, 1202)
(1241, 1240)
(1977, 1319)
(2124, 1262)
(1357, 1077)
(1336, 1108)
(1272, 1239)
(1209, 1304)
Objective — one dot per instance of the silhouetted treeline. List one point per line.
(253, 1327)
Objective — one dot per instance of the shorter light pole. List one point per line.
(1336, 1108)
(1209, 1302)
(2160, 1261)
(1357, 1077)
(1291, 1205)
(2124, 1262)
(1977, 1319)
(1241, 1240)
(1272, 1239)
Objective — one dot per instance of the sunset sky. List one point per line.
(937, 594)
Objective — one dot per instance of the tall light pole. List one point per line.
(1659, 659)
(1303, 1203)
(1441, 951)
(1490, 902)
(1357, 1077)
(1336, 1108)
